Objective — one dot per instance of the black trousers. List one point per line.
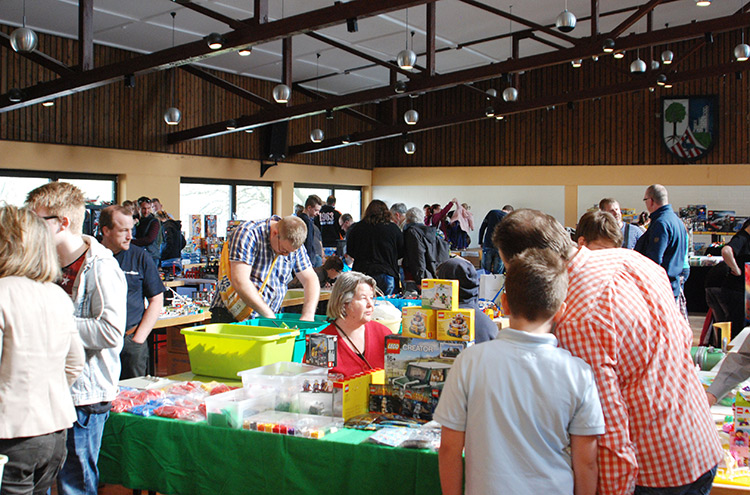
(33, 463)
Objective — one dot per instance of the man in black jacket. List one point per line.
(314, 247)
(424, 250)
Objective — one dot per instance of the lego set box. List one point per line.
(418, 322)
(455, 325)
(439, 294)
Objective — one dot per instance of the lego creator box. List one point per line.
(402, 352)
(455, 325)
(418, 322)
(210, 225)
(720, 220)
(439, 294)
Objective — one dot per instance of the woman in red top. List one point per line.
(361, 342)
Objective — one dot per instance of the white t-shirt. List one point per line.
(519, 398)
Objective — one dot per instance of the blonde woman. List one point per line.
(40, 354)
(361, 341)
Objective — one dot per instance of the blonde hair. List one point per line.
(294, 230)
(62, 199)
(343, 292)
(26, 247)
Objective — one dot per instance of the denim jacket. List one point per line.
(100, 299)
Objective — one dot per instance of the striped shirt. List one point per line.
(621, 319)
(250, 243)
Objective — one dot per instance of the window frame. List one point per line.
(233, 183)
(54, 176)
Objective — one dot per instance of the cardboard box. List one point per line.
(418, 322)
(411, 403)
(355, 391)
(401, 351)
(321, 350)
(439, 294)
(739, 443)
(456, 325)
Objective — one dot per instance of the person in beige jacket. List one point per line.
(41, 354)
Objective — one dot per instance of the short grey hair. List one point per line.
(414, 215)
(658, 193)
(343, 292)
(398, 208)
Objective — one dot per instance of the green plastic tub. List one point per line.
(304, 328)
(221, 350)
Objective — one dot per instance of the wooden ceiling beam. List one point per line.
(226, 85)
(232, 23)
(442, 81)
(86, 34)
(521, 20)
(198, 50)
(360, 54)
(40, 58)
(349, 111)
(633, 18)
(506, 109)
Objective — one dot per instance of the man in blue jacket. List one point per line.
(665, 241)
(491, 261)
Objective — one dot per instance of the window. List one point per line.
(348, 199)
(225, 199)
(16, 184)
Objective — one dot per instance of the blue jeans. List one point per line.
(491, 262)
(386, 283)
(80, 475)
(701, 486)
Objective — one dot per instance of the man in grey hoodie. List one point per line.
(93, 279)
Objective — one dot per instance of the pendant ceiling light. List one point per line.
(23, 39)
(655, 65)
(510, 94)
(15, 95)
(608, 45)
(316, 135)
(661, 79)
(411, 117)
(566, 21)
(637, 66)
(489, 112)
(667, 57)
(410, 148)
(702, 3)
(281, 93)
(399, 87)
(406, 58)
(576, 63)
(619, 55)
(48, 103)
(244, 52)
(491, 93)
(172, 115)
(742, 51)
(215, 41)
(499, 116)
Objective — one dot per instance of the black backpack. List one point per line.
(174, 240)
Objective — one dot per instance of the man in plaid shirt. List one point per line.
(621, 319)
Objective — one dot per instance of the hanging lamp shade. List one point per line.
(619, 55)
(281, 93)
(411, 117)
(410, 148)
(638, 66)
(489, 112)
(566, 21)
(23, 40)
(608, 45)
(244, 52)
(576, 63)
(510, 94)
(215, 41)
(491, 93)
(742, 52)
(15, 95)
(48, 103)
(406, 59)
(316, 135)
(499, 116)
(399, 87)
(172, 116)
(655, 64)
(667, 57)
(702, 3)
(661, 79)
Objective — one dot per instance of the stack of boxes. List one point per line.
(417, 362)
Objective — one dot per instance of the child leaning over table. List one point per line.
(527, 411)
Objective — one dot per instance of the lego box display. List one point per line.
(418, 322)
(455, 325)
(401, 351)
(439, 294)
(411, 403)
(321, 350)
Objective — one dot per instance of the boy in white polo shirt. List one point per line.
(527, 411)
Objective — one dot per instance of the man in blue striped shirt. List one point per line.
(263, 257)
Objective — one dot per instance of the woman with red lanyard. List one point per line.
(361, 341)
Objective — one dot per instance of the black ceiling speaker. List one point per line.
(351, 25)
(276, 145)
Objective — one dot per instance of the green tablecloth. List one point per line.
(177, 457)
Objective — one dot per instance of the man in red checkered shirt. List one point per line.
(622, 320)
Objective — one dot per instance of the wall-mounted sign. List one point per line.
(689, 125)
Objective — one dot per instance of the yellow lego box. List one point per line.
(455, 325)
(439, 294)
(418, 322)
(355, 392)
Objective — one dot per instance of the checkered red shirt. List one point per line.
(622, 319)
